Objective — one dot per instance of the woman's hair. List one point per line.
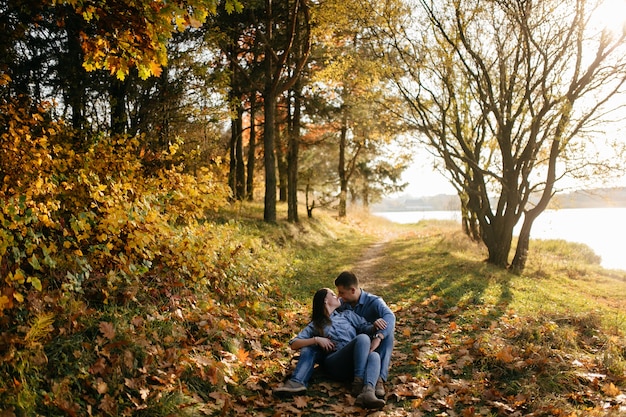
(319, 316)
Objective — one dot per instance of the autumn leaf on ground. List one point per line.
(611, 390)
(99, 367)
(101, 386)
(505, 355)
(107, 330)
(243, 355)
(300, 401)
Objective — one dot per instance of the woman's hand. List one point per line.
(326, 344)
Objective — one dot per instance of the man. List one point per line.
(374, 310)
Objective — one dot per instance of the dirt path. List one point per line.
(365, 268)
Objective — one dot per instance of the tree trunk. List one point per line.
(251, 148)
(269, 159)
(521, 252)
(232, 177)
(236, 149)
(281, 157)
(469, 220)
(74, 74)
(343, 180)
(117, 99)
(499, 253)
(292, 157)
(275, 84)
(523, 243)
(240, 167)
(311, 206)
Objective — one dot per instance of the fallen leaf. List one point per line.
(243, 355)
(300, 401)
(107, 330)
(611, 390)
(101, 386)
(505, 355)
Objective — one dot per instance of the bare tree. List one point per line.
(507, 92)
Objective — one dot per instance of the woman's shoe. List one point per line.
(379, 390)
(289, 388)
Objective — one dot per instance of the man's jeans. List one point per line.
(385, 350)
(354, 360)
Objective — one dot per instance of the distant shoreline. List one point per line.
(591, 198)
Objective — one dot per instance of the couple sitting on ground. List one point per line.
(351, 337)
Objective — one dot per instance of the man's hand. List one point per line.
(380, 324)
(326, 344)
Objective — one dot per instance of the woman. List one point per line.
(344, 350)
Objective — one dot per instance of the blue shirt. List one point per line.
(372, 308)
(344, 327)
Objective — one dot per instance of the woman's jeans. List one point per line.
(354, 360)
(309, 356)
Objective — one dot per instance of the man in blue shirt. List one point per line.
(374, 310)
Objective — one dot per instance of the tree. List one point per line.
(507, 92)
(278, 47)
(293, 151)
(352, 80)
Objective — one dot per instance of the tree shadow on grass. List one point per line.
(418, 266)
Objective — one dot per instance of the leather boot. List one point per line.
(367, 398)
(357, 386)
(380, 388)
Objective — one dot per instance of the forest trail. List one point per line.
(366, 267)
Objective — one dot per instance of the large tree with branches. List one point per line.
(507, 93)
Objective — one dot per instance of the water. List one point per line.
(602, 229)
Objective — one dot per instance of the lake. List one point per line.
(602, 229)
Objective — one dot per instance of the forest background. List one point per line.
(133, 135)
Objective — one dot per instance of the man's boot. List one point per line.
(357, 386)
(368, 399)
(380, 388)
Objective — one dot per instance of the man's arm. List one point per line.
(383, 312)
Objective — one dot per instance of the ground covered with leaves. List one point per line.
(471, 339)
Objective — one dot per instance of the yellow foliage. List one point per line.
(97, 205)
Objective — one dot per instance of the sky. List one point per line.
(424, 180)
